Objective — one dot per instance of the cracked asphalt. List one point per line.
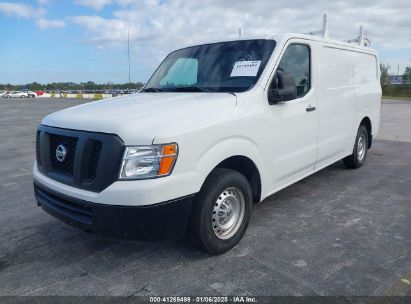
(337, 232)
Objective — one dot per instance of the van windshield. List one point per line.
(233, 66)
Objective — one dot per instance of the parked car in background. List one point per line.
(16, 94)
(31, 94)
(39, 93)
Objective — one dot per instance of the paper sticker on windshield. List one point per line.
(245, 68)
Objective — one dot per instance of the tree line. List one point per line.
(402, 90)
(66, 86)
(385, 67)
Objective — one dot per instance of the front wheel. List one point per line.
(221, 211)
(357, 158)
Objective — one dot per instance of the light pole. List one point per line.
(128, 54)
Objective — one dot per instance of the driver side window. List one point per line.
(296, 61)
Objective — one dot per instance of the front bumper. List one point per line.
(130, 192)
(167, 220)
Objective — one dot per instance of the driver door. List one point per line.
(293, 124)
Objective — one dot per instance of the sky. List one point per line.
(81, 40)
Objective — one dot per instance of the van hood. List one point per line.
(139, 118)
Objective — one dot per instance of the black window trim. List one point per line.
(279, 61)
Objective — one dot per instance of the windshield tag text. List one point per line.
(245, 68)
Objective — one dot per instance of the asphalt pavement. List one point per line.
(337, 232)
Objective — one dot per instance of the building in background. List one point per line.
(397, 80)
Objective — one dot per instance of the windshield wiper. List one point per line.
(152, 89)
(184, 89)
(190, 89)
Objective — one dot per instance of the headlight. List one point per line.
(141, 162)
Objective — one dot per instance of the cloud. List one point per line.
(20, 10)
(44, 23)
(96, 4)
(158, 27)
(108, 31)
(152, 21)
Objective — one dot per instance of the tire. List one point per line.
(357, 158)
(224, 202)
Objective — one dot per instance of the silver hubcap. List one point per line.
(361, 147)
(228, 213)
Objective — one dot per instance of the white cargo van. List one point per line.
(218, 128)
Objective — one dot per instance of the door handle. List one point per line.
(310, 108)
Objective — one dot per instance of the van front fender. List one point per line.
(224, 149)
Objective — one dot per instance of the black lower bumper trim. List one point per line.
(167, 220)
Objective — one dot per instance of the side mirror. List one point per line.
(284, 88)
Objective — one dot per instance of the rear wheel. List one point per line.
(357, 158)
(221, 211)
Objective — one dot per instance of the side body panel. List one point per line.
(337, 104)
(368, 89)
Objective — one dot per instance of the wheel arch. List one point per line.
(248, 168)
(240, 154)
(366, 121)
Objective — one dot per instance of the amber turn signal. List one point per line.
(169, 154)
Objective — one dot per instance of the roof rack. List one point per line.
(361, 40)
(324, 31)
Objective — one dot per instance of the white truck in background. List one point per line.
(218, 128)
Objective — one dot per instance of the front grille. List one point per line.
(70, 143)
(95, 156)
(86, 154)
